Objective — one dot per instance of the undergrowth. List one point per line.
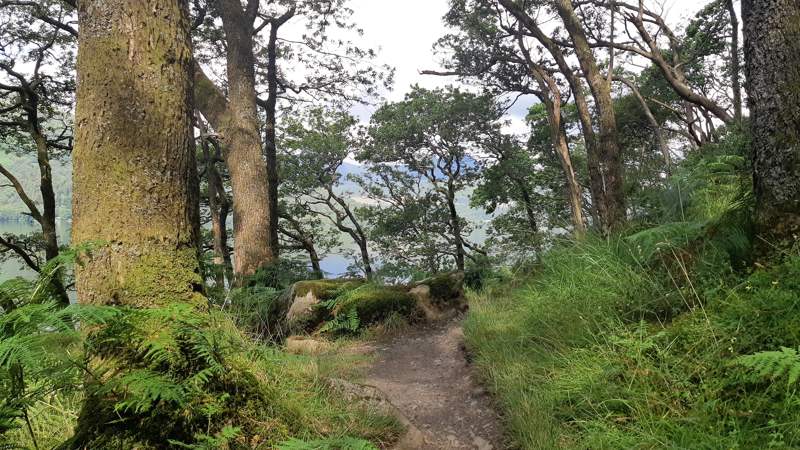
(660, 338)
(172, 377)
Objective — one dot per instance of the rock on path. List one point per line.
(424, 374)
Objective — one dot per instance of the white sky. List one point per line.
(404, 31)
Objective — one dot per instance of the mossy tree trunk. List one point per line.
(772, 64)
(134, 177)
(134, 156)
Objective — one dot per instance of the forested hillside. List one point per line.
(11, 207)
(576, 228)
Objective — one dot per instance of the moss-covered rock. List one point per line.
(326, 289)
(306, 310)
(440, 296)
(372, 303)
(446, 289)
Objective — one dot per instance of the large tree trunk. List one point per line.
(134, 154)
(772, 64)
(609, 159)
(235, 119)
(133, 171)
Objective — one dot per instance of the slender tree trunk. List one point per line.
(455, 225)
(596, 185)
(609, 160)
(313, 257)
(134, 155)
(216, 194)
(772, 65)
(735, 65)
(270, 139)
(224, 210)
(235, 119)
(528, 205)
(357, 232)
(551, 96)
(48, 213)
(365, 258)
(574, 197)
(558, 137)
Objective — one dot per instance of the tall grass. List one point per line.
(664, 338)
(578, 359)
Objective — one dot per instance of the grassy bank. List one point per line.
(602, 348)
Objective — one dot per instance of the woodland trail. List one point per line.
(425, 375)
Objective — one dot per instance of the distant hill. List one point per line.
(26, 170)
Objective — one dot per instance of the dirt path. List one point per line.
(425, 375)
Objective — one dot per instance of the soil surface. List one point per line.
(425, 375)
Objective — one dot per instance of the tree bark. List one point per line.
(235, 119)
(134, 154)
(550, 95)
(455, 225)
(48, 214)
(304, 241)
(270, 124)
(356, 232)
(772, 65)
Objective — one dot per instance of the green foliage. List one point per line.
(327, 289)
(574, 366)
(279, 275)
(342, 323)
(372, 303)
(774, 365)
(259, 311)
(423, 152)
(350, 306)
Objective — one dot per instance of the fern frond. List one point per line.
(774, 365)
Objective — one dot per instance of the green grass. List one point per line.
(598, 350)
